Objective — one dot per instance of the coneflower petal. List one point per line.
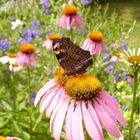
(53, 103)
(69, 121)
(89, 123)
(77, 129)
(107, 122)
(59, 119)
(95, 119)
(44, 89)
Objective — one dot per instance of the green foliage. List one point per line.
(17, 113)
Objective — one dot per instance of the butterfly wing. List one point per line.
(71, 57)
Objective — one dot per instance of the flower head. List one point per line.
(79, 99)
(9, 138)
(12, 60)
(70, 17)
(86, 1)
(4, 44)
(16, 23)
(27, 55)
(131, 57)
(94, 43)
(49, 41)
(45, 4)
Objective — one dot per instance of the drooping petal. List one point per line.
(47, 98)
(59, 119)
(107, 122)
(44, 89)
(4, 59)
(69, 121)
(95, 119)
(89, 123)
(77, 129)
(113, 112)
(56, 109)
(54, 102)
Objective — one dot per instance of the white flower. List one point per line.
(131, 57)
(7, 59)
(16, 23)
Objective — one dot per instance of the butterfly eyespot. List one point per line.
(57, 51)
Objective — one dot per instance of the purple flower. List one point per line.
(35, 25)
(84, 31)
(48, 32)
(138, 133)
(106, 57)
(86, 1)
(45, 4)
(4, 44)
(117, 77)
(124, 46)
(109, 68)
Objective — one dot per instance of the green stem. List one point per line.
(133, 103)
(30, 111)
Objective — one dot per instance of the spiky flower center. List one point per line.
(12, 55)
(54, 36)
(134, 59)
(96, 36)
(83, 87)
(2, 138)
(70, 10)
(26, 48)
(60, 76)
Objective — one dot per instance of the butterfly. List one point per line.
(72, 58)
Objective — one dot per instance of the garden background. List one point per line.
(119, 21)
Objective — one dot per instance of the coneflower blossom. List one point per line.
(49, 42)
(27, 55)
(76, 100)
(9, 138)
(70, 18)
(94, 43)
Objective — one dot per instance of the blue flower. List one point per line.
(117, 77)
(86, 1)
(109, 68)
(4, 44)
(124, 46)
(45, 4)
(138, 133)
(106, 57)
(84, 31)
(35, 25)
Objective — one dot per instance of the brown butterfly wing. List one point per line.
(71, 57)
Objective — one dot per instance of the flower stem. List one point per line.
(30, 111)
(133, 103)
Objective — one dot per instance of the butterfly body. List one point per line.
(71, 57)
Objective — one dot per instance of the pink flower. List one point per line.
(70, 18)
(115, 58)
(94, 43)
(27, 55)
(48, 43)
(9, 138)
(76, 100)
(130, 79)
(13, 138)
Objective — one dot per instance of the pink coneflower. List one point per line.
(70, 17)
(27, 55)
(76, 100)
(9, 138)
(48, 43)
(94, 43)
